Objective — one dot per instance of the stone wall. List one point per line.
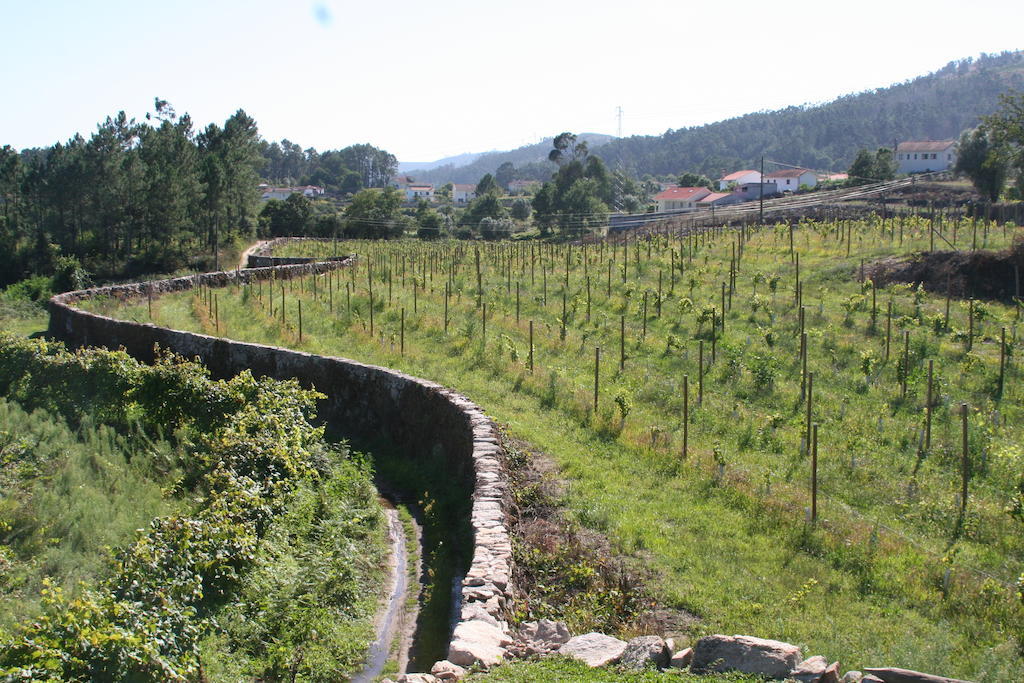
(421, 417)
(263, 256)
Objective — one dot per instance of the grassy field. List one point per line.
(893, 571)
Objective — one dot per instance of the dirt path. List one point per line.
(243, 260)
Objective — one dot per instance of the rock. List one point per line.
(446, 671)
(831, 674)
(894, 675)
(681, 659)
(644, 652)
(771, 658)
(871, 679)
(670, 643)
(477, 642)
(810, 670)
(545, 631)
(594, 649)
(852, 677)
(416, 678)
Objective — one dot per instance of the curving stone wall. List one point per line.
(421, 417)
(263, 256)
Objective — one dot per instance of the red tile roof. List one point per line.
(714, 197)
(925, 145)
(463, 187)
(683, 193)
(787, 173)
(737, 175)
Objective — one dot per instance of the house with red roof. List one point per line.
(680, 198)
(738, 178)
(921, 156)
(791, 179)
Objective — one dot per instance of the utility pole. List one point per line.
(761, 184)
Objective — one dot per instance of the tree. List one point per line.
(288, 217)
(983, 161)
(694, 180)
(870, 168)
(567, 149)
(487, 185)
(374, 214)
(521, 209)
(505, 174)
(1006, 127)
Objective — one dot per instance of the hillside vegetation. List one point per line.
(900, 568)
(158, 525)
(937, 106)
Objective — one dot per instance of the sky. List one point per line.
(425, 80)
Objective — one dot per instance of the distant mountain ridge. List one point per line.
(455, 161)
(530, 162)
(936, 106)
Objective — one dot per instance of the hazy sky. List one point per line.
(431, 79)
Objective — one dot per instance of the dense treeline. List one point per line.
(153, 195)
(347, 170)
(937, 106)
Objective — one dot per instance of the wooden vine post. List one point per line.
(597, 375)
(531, 346)
(928, 409)
(686, 414)
(814, 473)
(300, 320)
(964, 460)
(401, 334)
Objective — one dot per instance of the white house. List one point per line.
(414, 193)
(791, 179)
(739, 178)
(463, 194)
(522, 186)
(920, 156)
(282, 193)
(400, 182)
(680, 198)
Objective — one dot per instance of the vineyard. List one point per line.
(792, 450)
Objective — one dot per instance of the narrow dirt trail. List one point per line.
(243, 259)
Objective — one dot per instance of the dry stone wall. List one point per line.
(263, 256)
(423, 418)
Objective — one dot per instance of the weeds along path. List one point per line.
(442, 437)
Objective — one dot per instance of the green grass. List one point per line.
(67, 498)
(724, 528)
(558, 669)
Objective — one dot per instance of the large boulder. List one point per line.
(771, 658)
(594, 649)
(816, 669)
(891, 674)
(477, 642)
(644, 652)
(544, 631)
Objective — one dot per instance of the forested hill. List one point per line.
(530, 161)
(826, 137)
(938, 106)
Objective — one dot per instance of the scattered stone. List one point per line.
(644, 652)
(594, 649)
(719, 653)
(831, 674)
(891, 674)
(416, 678)
(852, 677)
(446, 671)
(810, 670)
(682, 659)
(477, 642)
